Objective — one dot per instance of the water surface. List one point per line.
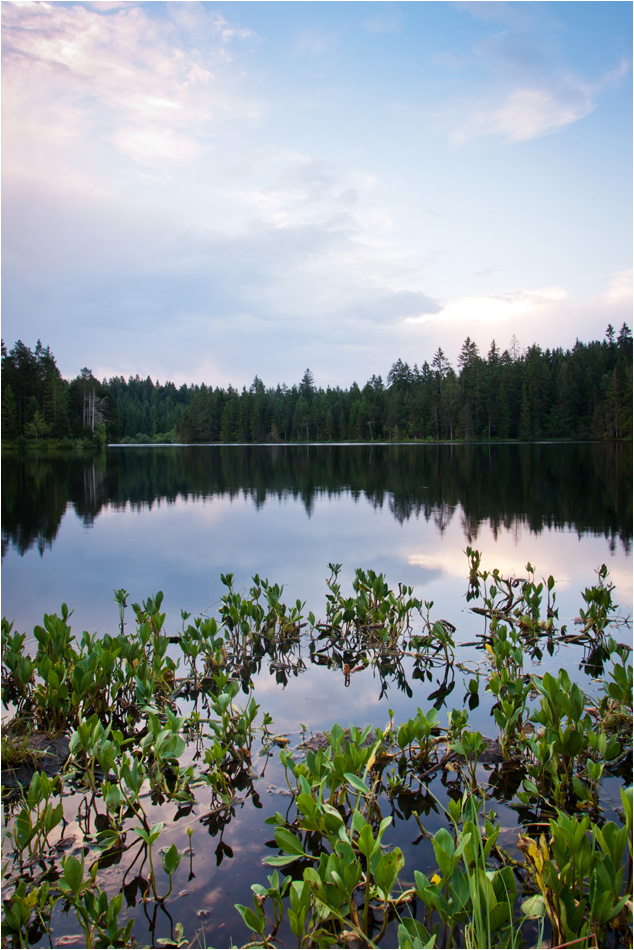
(175, 518)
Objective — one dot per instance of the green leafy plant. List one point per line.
(133, 718)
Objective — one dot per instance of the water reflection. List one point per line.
(535, 485)
(264, 638)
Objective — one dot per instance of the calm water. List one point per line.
(175, 518)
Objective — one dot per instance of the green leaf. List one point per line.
(573, 742)
(411, 933)
(300, 896)
(252, 919)
(357, 783)
(387, 870)
(171, 859)
(155, 831)
(444, 850)
(443, 841)
(73, 874)
(288, 842)
(627, 795)
(499, 915)
(280, 861)
(366, 841)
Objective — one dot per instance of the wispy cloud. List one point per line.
(386, 21)
(111, 73)
(175, 179)
(526, 90)
(512, 15)
(522, 114)
(620, 288)
(315, 42)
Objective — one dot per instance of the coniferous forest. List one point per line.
(581, 393)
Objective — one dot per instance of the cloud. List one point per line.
(307, 179)
(493, 308)
(527, 90)
(155, 144)
(84, 75)
(502, 12)
(315, 43)
(348, 198)
(162, 187)
(390, 306)
(620, 288)
(550, 316)
(105, 6)
(387, 22)
(523, 114)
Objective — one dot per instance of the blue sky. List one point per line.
(204, 192)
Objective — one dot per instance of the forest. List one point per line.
(581, 393)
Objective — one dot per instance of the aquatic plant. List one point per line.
(138, 754)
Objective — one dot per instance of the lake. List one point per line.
(176, 518)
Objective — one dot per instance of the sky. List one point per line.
(206, 192)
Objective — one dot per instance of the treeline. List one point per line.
(39, 405)
(582, 393)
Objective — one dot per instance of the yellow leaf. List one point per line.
(532, 852)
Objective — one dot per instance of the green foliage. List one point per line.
(37, 816)
(579, 874)
(375, 610)
(582, 393)
(133, 749)
(600, 608)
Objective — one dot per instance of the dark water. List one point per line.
(175, 518)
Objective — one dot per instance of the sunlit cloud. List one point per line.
(188, 180)
(522, 89)
(620, 289)
(493, 308)
(87, 74)
(524, 114)
(154, 143)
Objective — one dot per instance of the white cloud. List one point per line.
(523, 114)
(105, 6)
(526, 89)
(155, 144)
(158, 174)
(493, 308)
(76, 76)
(620, 289)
